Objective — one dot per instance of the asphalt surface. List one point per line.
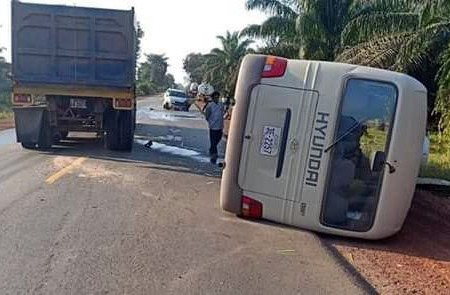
(81, 220)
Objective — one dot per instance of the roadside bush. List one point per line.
(5, 101)
(439, 159)
(145, 88)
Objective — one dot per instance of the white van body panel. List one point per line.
(313, 92)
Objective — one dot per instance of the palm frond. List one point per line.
(251, 31)
(283, 8)
(381, 52)
(423, 48)
(360, 7)
(372, 25)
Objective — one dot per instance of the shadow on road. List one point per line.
(174, 149)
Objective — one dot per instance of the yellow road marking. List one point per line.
(52, 179)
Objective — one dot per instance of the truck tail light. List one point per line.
(125, 103)
(275, 67)
(22, 99)
(251, 208)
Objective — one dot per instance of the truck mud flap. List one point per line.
(28, 123)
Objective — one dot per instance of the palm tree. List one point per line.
(222, 66)
(320, 24)
(410, 36)
(301, 28)
(278, 32)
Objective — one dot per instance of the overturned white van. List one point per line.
(330, 147)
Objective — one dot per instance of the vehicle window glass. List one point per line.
(361, 142)
(177, 94)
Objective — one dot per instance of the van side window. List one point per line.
(358, 155)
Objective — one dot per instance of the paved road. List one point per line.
(82, 220)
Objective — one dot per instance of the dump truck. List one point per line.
(73, 70)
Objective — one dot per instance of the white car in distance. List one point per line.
(177, 100)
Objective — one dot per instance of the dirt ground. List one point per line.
(6, 124)
(416, 260)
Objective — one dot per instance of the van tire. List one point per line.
(120, 131)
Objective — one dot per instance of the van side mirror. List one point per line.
(379, 161)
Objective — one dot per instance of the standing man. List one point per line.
(214, 112)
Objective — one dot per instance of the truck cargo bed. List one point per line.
(72, 46)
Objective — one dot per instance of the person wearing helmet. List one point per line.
(214, 112)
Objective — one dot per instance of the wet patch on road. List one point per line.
(172, 116)
(7, 137)
(174, 150)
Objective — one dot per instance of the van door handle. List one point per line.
(248, 137)
(391, 167)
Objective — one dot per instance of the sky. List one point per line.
(173, 27)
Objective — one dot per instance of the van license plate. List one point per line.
(77, 103)
(271, 141)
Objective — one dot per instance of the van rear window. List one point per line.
(359, 149)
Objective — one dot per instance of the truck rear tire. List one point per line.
(120, 132)
(46, 134)
(63, 134)
(28, 145)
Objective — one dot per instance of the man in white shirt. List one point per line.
(214, 112)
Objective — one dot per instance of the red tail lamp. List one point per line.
(125, 103)
(22, 99)
(275, 67)
(251, 208)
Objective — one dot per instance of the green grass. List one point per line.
(6, 115)
(439, 159)
(375, 140)
(5, 105)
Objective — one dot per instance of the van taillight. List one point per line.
(275, 67)
(22, 98)
(251, 208)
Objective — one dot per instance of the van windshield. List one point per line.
(363, 134)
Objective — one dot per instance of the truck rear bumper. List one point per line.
(121, 98)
